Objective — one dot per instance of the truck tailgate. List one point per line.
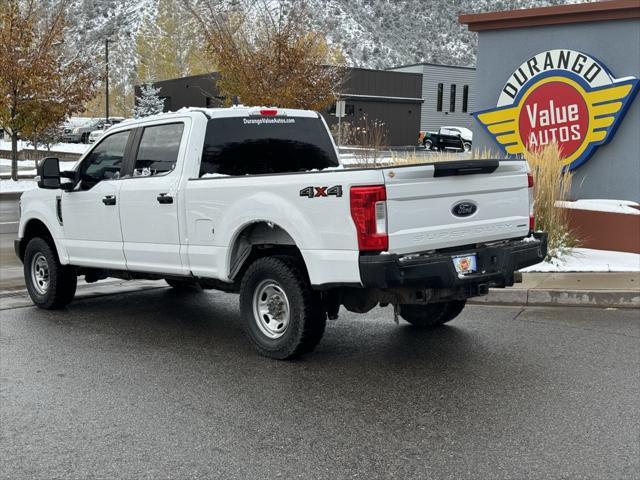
(450, 204)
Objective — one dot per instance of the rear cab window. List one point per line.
(258, 145)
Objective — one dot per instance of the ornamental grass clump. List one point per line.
(552, 185)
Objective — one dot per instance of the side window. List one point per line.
(439, 100)
(158, 150)
(452, 98)
(465, 98)
(105, 161)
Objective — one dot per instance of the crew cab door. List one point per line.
(149, 199)
(90, 215)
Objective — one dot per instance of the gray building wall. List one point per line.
(432, 75)
(614, 170)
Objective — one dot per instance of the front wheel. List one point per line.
(432, 314)
(50, 284)
(282, 315)
(466, 146)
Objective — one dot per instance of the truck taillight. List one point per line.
(532, 217)
(369, 213)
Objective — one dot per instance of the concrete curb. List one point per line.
(569, 298)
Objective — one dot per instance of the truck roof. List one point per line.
(236, 111)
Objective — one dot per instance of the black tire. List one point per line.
(428, 144)
(61, 280)
(432, 314)
(306, 318)
(466, 146)
(183, 285)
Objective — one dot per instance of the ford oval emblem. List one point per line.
(464, 209)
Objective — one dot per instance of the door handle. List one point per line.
(164, 198)
(109, 200)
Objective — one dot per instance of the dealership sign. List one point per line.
(560, 96)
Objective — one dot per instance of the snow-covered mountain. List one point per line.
(371, 33)
(386, 33)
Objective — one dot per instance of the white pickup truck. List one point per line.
(255, 201)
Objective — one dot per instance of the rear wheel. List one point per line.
(432, 314)
(428, 144)
(50, 284)
(282, 315)
(466, 146)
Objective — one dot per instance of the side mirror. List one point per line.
(48, 171)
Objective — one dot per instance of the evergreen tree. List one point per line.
(149, 102)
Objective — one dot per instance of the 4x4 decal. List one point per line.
(315, 192)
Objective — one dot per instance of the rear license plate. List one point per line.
(465, 264)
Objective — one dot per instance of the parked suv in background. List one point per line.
(80, 133)
(447, 138)
(97, 133)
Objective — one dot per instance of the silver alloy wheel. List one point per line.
(466, 146)
(40, 273)
(271, 309)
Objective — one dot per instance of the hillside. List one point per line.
(386, 33)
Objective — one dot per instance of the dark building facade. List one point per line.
(394, 98)
(194, 91)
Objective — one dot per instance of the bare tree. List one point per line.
(267, 54)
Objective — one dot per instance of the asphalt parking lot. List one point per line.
(156, 384)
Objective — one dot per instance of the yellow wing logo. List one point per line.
(502, 123)
(605, 107)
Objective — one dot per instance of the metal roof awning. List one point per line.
(379, 98)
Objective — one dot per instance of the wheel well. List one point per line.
(35, 228)
(260, 239)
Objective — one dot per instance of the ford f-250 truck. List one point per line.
(255, 201)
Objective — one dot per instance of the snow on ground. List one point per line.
(601, 205)
(59, 147)
(9, 186)
(6, 162)
(589, 260)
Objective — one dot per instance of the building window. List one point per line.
(465, 98)
(452, 99)
(440, 92)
